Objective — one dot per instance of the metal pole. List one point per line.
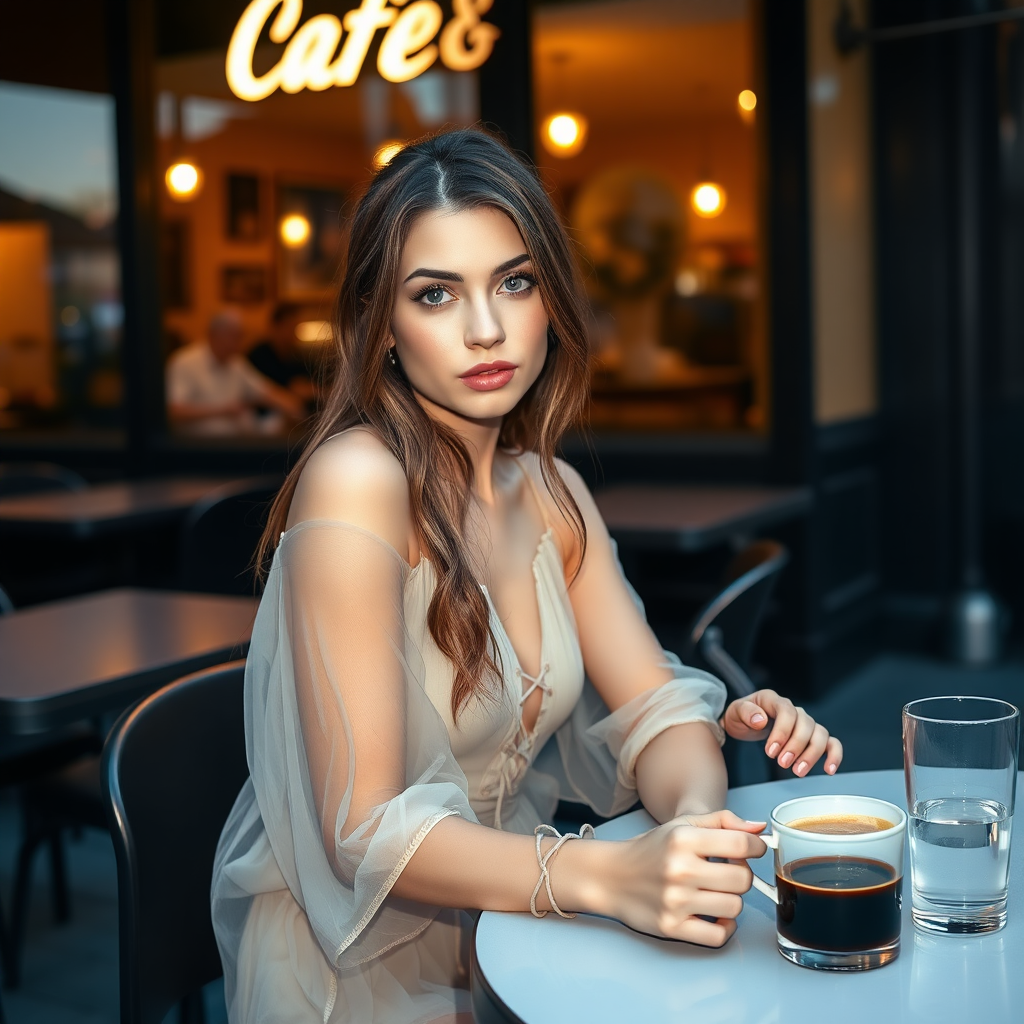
(974, 615)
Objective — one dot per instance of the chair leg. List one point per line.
(19, 909)
(6, 953)
(58, 869)
(192, 1009)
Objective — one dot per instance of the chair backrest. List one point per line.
(220, 534)
(731, 619)
(18, 478)
(172, 769)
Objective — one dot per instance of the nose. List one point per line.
(483, 328)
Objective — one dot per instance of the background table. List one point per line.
(596, 970)
(105, 509)
(82, 657)
(694, 518)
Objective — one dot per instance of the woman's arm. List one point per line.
(661, 882)
(681, 770)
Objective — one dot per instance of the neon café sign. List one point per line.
(309, 62)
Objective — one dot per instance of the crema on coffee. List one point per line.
(841, 824)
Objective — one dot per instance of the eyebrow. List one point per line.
(448, 275)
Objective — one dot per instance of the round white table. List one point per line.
(596, 970)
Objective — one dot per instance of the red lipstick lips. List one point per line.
(488, 376)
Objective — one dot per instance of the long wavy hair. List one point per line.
(454, 170)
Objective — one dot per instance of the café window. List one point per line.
(269, 119)
(647, 136)
(60, 292)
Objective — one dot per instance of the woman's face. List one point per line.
(469, 326)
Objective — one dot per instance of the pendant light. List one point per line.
(183, 178)
(563, 133)
(707, 197)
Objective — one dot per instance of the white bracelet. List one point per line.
(543, 859)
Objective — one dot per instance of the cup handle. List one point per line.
(769, 890)
(772, 842)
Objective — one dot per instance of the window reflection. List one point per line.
(647, 135)
(60, 301)
(250, 253)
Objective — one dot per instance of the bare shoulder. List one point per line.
(567, 539)
(576, 484)
(354, 478)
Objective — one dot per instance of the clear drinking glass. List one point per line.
(960, 756)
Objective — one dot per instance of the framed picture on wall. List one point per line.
(310, 230)
(244, 220)
(244, 285)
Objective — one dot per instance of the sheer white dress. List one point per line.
(343, 678)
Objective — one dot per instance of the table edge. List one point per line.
(699, 538)
(488, 1007)
(27, 717)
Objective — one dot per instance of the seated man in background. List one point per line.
(279, 358)
(212, 390)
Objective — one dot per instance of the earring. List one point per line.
(391, 356)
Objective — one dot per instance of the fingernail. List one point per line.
(758, 719)
(801, 768)
(773, 750)
(787, 759)
(831, 769)
(749, 822)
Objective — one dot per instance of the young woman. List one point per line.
(440, 583)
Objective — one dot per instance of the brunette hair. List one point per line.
(458, 169)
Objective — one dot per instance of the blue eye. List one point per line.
(518, 283)
(434, 296)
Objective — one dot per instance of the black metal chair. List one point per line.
(220, 534)
(17, 478)
(172, 769)
(722, 636)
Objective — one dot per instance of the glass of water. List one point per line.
(960, 757)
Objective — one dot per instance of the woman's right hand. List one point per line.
(663, 883)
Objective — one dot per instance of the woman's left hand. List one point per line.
(795, 738)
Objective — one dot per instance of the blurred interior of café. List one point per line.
(646, 136)
(801, 230)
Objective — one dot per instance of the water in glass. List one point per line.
(960, 849)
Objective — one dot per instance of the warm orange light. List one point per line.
(745, 104)
(313, 332)
(183, 180)
(386, 152)
(707, 199)
(295, 230)
(564, 134)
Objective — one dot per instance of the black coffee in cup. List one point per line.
(839, 903)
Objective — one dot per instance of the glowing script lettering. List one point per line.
(309, 62)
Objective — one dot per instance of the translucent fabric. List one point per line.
(354, 758)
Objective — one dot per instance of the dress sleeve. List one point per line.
(350, 763)
(597, 749)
